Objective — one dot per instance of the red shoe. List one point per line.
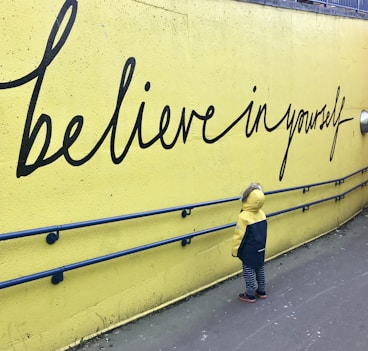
(261, 295)
(246, 298)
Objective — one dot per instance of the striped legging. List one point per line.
(252, 277)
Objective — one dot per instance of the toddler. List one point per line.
(249, 242)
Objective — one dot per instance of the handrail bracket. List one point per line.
(186, 212)
(52, 237)
(186, 242)
(57, 278)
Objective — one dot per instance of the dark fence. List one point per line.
(356, 5)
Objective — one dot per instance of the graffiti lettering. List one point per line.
(294, 121)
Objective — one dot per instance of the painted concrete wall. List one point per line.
(116, 107)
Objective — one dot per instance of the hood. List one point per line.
(254, 201)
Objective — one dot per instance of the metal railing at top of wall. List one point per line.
(57, 275)
(356, 5)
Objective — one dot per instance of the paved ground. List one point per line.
(318, 301)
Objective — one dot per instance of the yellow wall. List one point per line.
(205, 56)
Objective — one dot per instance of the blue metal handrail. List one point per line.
(58, 228)
(186, 210)
(58, 276)
(57, 273)
(306, 206)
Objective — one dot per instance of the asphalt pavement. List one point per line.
(317, 301)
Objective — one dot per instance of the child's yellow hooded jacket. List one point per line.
(249, 241)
